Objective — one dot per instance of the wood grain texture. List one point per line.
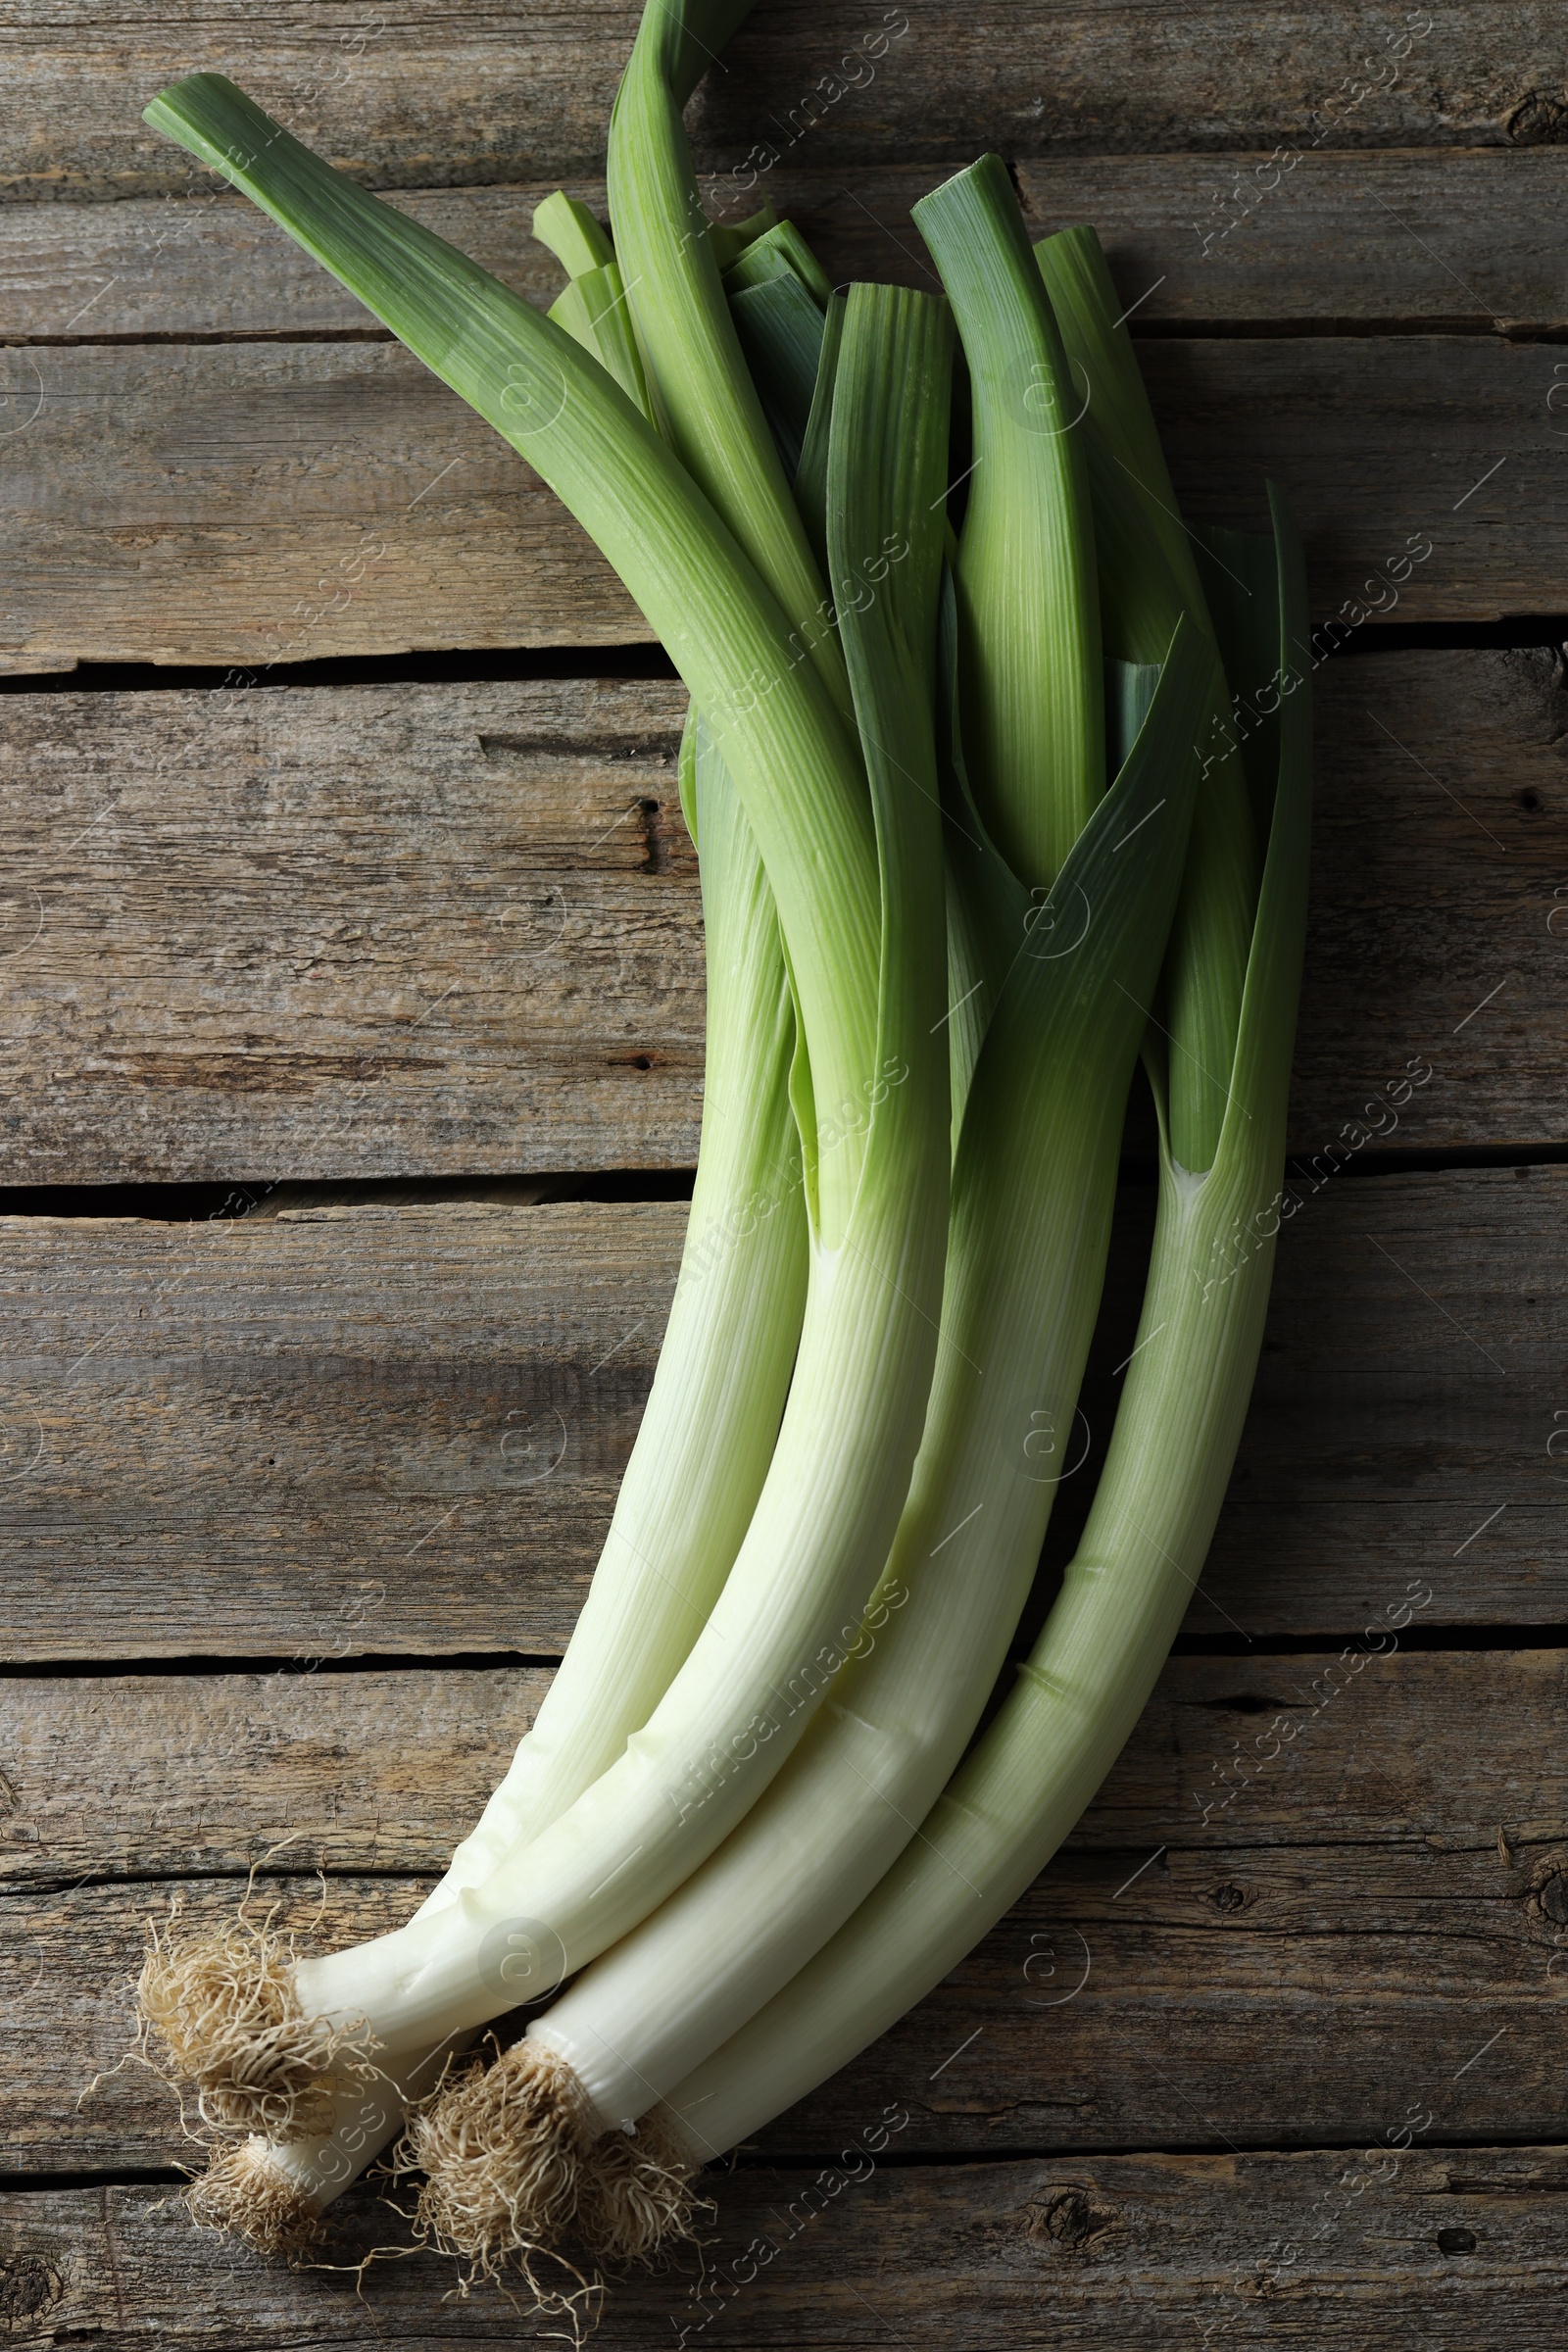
(455, 92)
(1389, 1887)
(388, 930)
(110, 1778)
(376, 1428)
(256, 502)
(1450, 239)
(1380, 444)
(1450, 2248)
(454, 931)
(163, 1775)
(1388, 1377)
(264, 502)
(401, 1430)
(1338, 1990)
(194, 266)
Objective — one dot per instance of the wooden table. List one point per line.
(367, 919)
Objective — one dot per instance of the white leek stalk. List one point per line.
(686, 1499)
(706, 1433)
(885, 484)
(825, 1516)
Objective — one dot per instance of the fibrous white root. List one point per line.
(222, 2003)
(502, 2151)
(637, 2200)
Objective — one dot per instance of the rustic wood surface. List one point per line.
(1453, 2248)
(251, 503)
(1467, 240)
(458, 92)
(400, 1431)
(362, 931)
(366, 931)
(1345, 1880)
(383, 932)
(1340, 1986)
(403, 930)
(114, 1779)
(181, 1777)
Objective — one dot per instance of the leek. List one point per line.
(876, 1187)
(1029, 644)
(1177, 1429)
(1153, 575)
(1032, 1190)
(706, 1433)
(934, 941)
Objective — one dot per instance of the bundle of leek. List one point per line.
(955, 848)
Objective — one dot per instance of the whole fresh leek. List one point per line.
(1033, 1189)
(1179, 1422)
(869, 1000)
(707, 1434)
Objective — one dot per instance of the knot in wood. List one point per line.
(28, 2285)
(1547, 1896)
(1070, 2219)
(1538, 121)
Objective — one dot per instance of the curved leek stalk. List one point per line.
(852, 1425)
(840, 1471)
(796, 768)
(1032, 695)
(1033, 1771)
(1149, 573)
(1033, 1186)
(691, 1486)
(707, 1434)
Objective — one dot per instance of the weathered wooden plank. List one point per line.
(1388, 1890)
(376, 931)
(1269, 1998)
(401, 1430)
(1443, 2248)
(399, 930)
(381, 1429)
(1424, 1420)
(1383, 446)
(167, 1775)
(1452, 239)
(1477, 764)
(257, 504)
(188, 268)
(157, 1774)
(456, 93)
(251, 503)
